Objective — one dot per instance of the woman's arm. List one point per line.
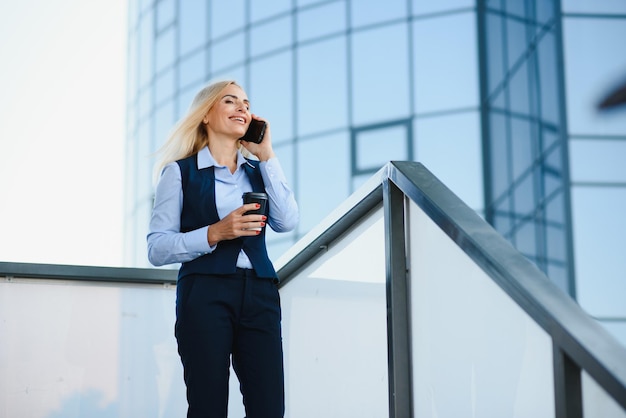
(166, 244)
(283, 209)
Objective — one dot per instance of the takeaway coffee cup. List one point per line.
(253, 197)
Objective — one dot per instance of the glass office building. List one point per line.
(497, 98)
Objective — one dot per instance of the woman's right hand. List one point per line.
(236, 225)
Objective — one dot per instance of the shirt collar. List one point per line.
(205, 159)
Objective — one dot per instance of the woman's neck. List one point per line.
(224, 153)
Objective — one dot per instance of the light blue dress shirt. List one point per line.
(167, 245)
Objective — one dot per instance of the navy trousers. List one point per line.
(234, 315)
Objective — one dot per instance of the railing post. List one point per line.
(398, 324)
(567, 385)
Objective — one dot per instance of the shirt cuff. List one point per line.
(196, 241)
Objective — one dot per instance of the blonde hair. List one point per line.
(189, 135)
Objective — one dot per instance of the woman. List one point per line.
(227, 301)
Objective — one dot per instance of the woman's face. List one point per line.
(230, 115)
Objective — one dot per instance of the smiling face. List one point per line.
(230, 115)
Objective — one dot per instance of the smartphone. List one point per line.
(255, 132)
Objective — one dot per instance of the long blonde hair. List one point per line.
(189, 135)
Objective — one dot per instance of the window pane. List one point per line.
(525, 239)
(145, 103)
(264, 9)
(271, 94)
(502, 218)
(445, 63)
(519, 91)
(185, 98)
(165, 13)
(302, 3)
(517, 42)
(367, 12)
(524, 194)
(598, 160)
(422, 7)
(499, 155)
(165, 49)
(270, 36)
(380, 88)
(237, 73)
(553, 178)
(556, 243)
(495, 60)
(441, 143)
(164, 86)
(599, 249)
(596, 6)
(376, 147)
(192, 18)
(516, 8)
(321, 191)
(544, 10)
(521, 146)
(555, 210)
(333, 15)
(549, 85)
(228, 52)
(163, 122)
(192, 69)
(322, 100)
(591, 72)
(226, 17)
(146, 43)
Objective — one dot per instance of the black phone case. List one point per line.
(255, 132)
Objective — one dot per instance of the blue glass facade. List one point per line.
(496, 98)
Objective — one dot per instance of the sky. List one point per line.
(62, 128)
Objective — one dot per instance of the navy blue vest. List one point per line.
(199, 210)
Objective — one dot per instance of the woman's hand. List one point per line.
(263, 150)
(236, 225)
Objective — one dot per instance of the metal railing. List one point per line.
(579, 343)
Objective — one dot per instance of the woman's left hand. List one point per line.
(262, 150)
